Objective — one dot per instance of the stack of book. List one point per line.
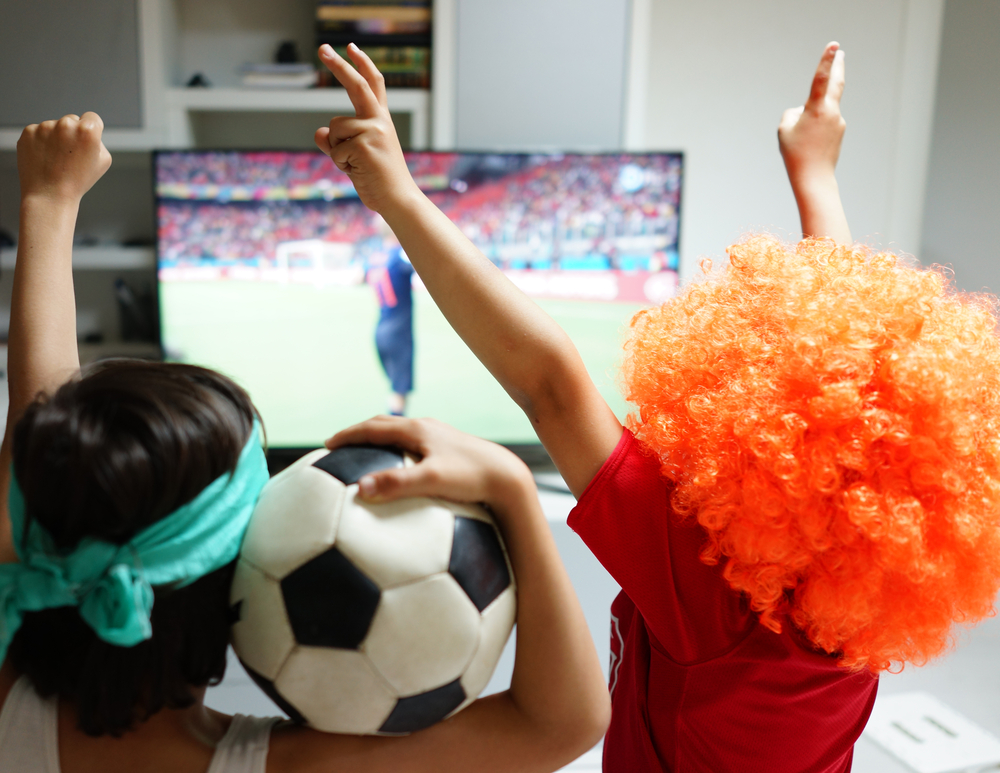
(396, 34)
(278, 76)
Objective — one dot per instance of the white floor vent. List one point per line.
(930, 737)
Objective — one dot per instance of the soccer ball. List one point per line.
(368, 618)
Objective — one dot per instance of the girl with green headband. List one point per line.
(132, 486)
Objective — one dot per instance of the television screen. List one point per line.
(273, 272)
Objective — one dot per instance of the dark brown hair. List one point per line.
(111, 452)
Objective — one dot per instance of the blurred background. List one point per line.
(710, 78)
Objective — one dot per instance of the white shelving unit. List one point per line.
(168, 105)
(181, 102)
(110, 258)
(175, 41)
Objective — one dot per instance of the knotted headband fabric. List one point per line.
(113, 584)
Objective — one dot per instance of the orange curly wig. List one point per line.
(832, 418)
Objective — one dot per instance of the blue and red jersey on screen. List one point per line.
(393, 286)
(394, 331)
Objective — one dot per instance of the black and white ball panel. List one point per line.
(261, 634)
(349, 463)
(329, 601)
(496, 622)
(397, 542)
(424, 634)
(486, 589)
(478, 561)
(296, 518)
(419, 711)
(364, 699)
(271, 692)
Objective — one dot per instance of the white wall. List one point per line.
(540, 74)
(46, 72)
(718, 76)
(962, 218)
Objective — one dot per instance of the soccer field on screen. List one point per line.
(307, 356)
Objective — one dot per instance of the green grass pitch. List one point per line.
(307, 356)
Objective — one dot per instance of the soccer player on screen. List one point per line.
(808, 490)
(392, 279)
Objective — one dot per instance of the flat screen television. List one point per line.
(265, 266)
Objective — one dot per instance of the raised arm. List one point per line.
(525, 350)
(809, 138)
(557, 706)
(57, 162)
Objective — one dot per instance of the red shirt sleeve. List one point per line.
(624, 517)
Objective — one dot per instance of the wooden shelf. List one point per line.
(111, 258)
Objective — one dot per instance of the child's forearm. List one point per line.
(821, 211)
(809, 138)
(525, 350)
(42, 348)
(522, 346)
(557, 678)
(57, 163)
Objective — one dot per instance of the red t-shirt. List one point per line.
(697, 684)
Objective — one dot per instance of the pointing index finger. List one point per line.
(822, 79)
(836, 88)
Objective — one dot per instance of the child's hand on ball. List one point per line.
(453, 465)
(62, 159)
(365, 147)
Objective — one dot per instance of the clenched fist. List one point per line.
(62, 159)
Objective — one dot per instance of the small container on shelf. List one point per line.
(291, 75)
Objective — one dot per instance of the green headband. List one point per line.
(113, 584)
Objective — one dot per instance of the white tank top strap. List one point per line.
(29, 736)
(243, 749)
(29, 731)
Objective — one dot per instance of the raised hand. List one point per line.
(453, 465)
(57, 162)
(809, 138)
(810, 135)
(62, 159)
(526, 351)
(365, 146)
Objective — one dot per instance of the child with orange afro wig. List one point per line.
(808, 491)
(831, 418)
